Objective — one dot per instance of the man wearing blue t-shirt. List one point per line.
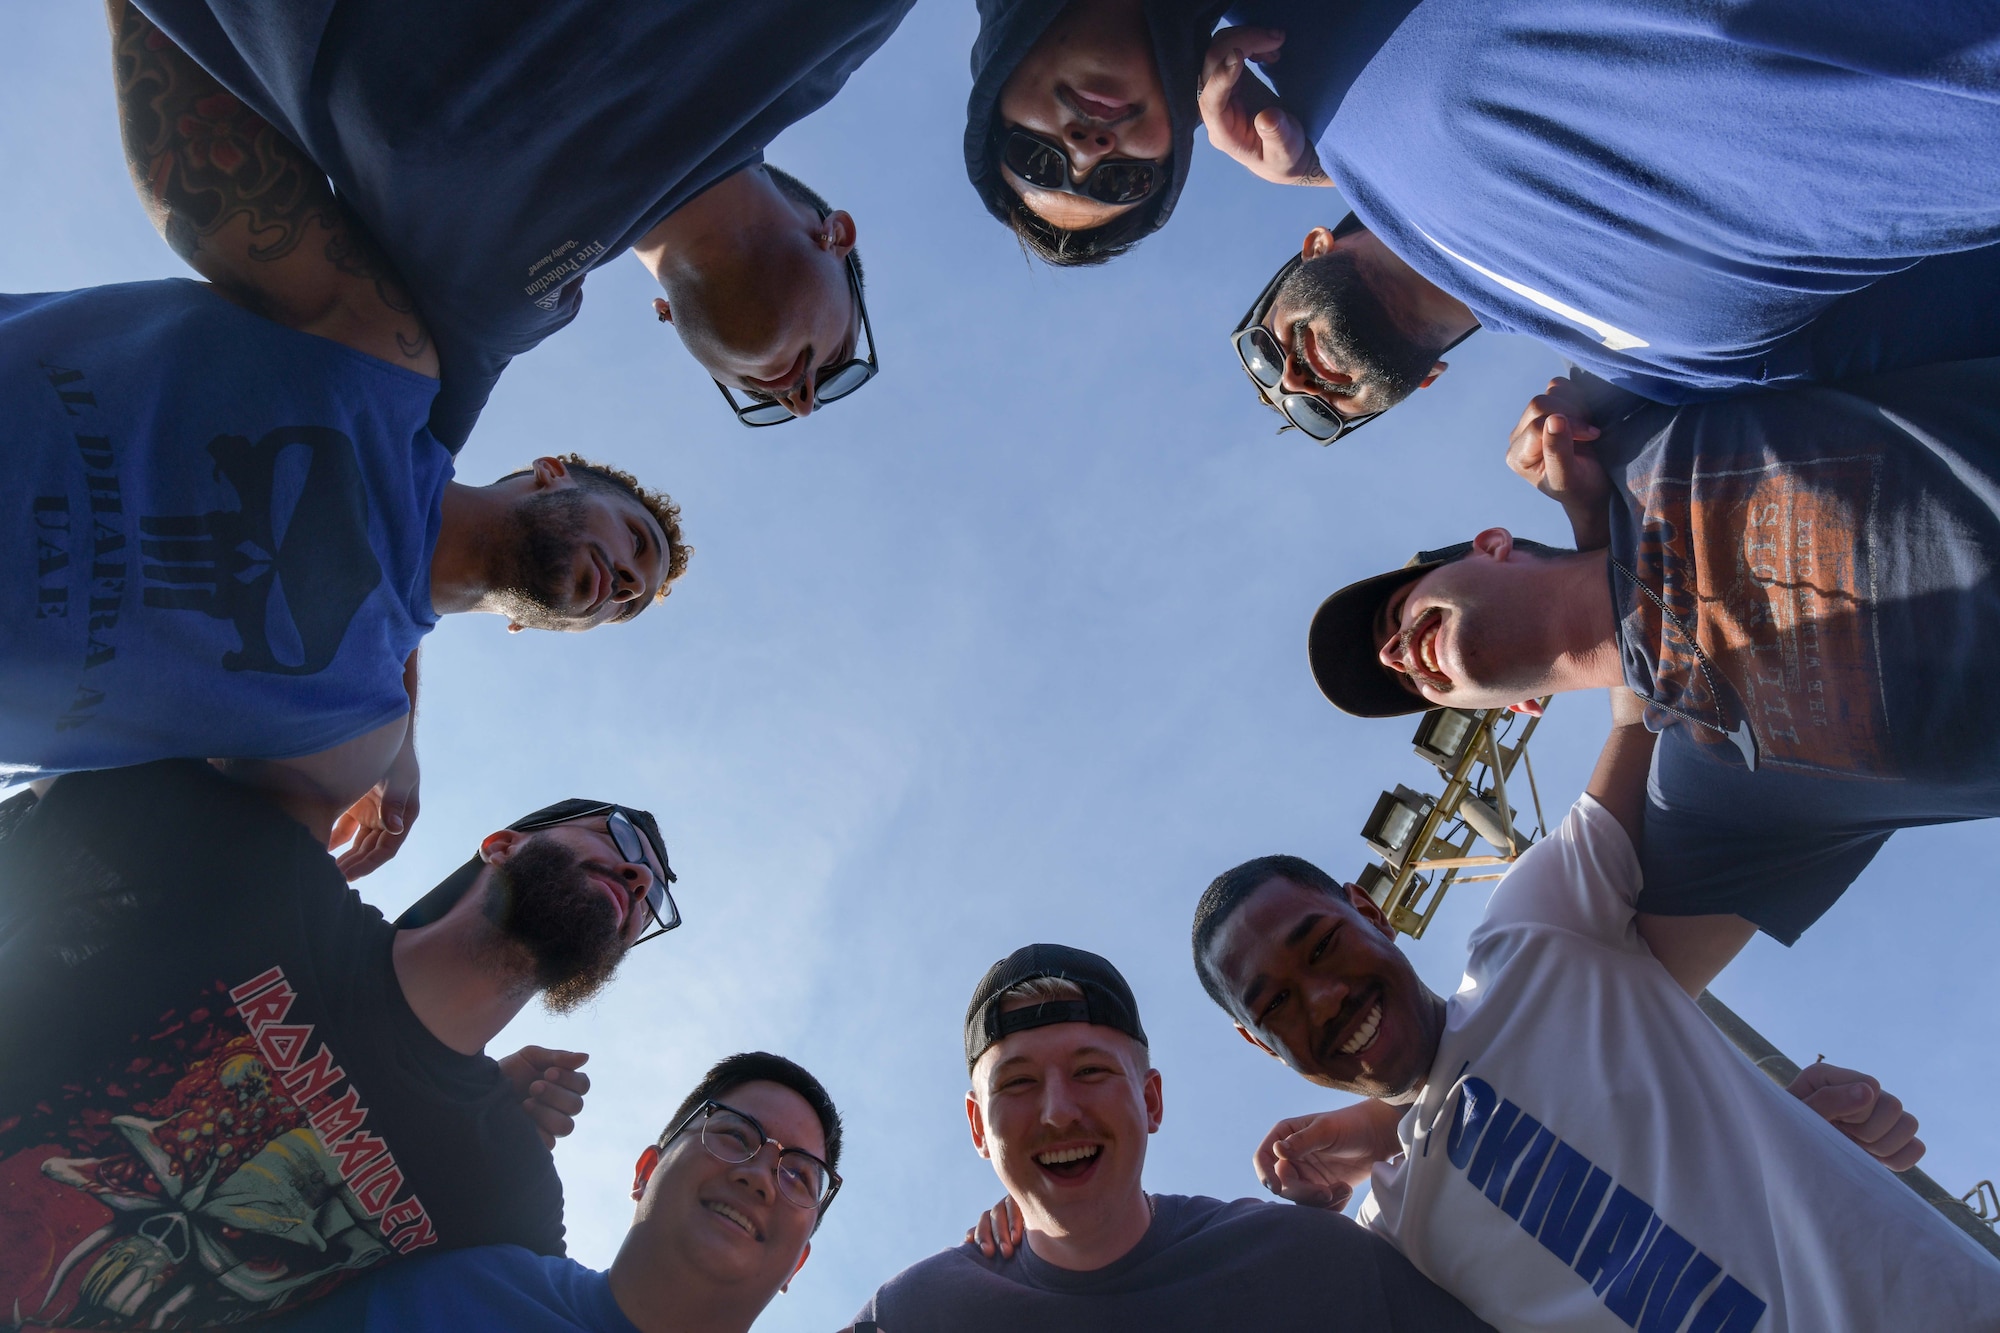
(728, 1201)
(500, 153)
(1677, 197)
(1801, 587)
(233, 524)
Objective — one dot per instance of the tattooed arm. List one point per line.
(247, 209)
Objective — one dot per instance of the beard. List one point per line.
(1356, 331)
(532, 573)
(543, 902)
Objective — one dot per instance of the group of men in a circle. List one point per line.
(1767, 237)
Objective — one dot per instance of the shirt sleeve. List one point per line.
(1583, 878)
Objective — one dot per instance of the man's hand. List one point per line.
(1321, 1159)
(999, 1228)
(1855, 1104)
(551, 1086)
(1244, 117)
(1550, 450)
(377, 824)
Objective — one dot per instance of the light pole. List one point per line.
(1424, 844)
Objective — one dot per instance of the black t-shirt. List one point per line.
(1203, 1265)
(214, 1100)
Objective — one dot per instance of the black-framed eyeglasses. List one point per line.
(830, 383)
(734, 1136)
(632, 843)
(1264, 359)
(1044, 165)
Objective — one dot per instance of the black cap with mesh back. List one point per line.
(1107, 1001)
(1343, 650)
(433, 905)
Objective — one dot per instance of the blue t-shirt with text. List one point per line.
(221, 531)
(1682, 196)
(500, 152)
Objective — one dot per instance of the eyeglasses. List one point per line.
(1264, 359)
(830, 383)
(730, 1135)
(632, 843)
(1044, 165)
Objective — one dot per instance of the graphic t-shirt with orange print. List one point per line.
(1832, 552)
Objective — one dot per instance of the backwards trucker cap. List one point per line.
(1107, 1001)
(433, 905)
(1343, 648)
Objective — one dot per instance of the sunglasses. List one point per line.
(830, 383)
(1044, 165)
(1264, 359)
(632, 844)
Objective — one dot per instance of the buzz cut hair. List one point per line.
(1230, 890)
(799, 192)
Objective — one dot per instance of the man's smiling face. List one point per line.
(1063, 1111)
(726, 1221)
(1318, 981)
(1468, 634)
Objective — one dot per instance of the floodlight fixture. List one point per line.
(1392, 827)
(1376, 880)
(1445, 734)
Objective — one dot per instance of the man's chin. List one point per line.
(580, 988)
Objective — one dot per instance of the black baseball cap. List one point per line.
(433, 905)
(1107, 1001)
(1341, 644)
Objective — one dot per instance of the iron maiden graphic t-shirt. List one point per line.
(1833, 552)
(214, 1101)
(1590, 1153)
(218, 531)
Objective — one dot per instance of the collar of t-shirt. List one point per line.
(1162, 1232)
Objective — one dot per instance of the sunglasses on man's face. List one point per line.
(632, 844)
(1264, 359)
(1044, 165)
(830, 383)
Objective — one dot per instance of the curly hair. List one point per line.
(659, 504)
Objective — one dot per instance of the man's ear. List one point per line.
(1318, 241)
(977, 1123)
(1527, 707)
(1156, 1102)
(836, 233)
(1367, 909)
(1498, 543)
(642, 1171)
(804, 1255)
(549, 472)
(1254, 1040)
(495, 848)
(663, 310)
(1437, 368)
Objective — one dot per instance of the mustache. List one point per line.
(1326, 1042)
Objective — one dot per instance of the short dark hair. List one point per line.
(1229, 890)
(763, 1067)
(1061, 247)
(799, 192)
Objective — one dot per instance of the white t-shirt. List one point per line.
(1591, 1153)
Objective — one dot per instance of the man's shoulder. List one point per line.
(1279, 1225)
(932, 1288)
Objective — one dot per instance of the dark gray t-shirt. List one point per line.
(1204, 1265)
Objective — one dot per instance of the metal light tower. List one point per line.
(1425, 843)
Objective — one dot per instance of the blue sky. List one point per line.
(1008, 647)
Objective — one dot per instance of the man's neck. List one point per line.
(1584, 626)
(461, 979)
(1420, 307)
(1095, 1241)
(473, 520)
(661, 1296)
